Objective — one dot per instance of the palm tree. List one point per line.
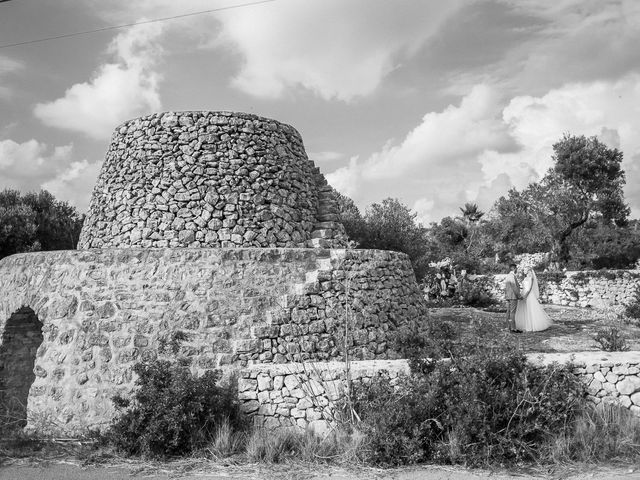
(471, 215)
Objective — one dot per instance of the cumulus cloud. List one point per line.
(71, 184)
(32, 165)
(119, 90)
(338, 50)
(477, 150)
(437, 164)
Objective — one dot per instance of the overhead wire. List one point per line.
(133, 24)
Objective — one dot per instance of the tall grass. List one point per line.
(605, 432)
(292, 443)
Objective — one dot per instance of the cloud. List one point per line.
(478, 149)
(437, 163)
(8, 66)
(338, 50)
(119, 90)
(328, 156)
(423, 208)
(31, 166)
(607, 109)
(71, 184)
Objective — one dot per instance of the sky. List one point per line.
(434, 103)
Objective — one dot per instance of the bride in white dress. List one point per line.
(530, 316)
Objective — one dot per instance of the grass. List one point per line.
(603, 433)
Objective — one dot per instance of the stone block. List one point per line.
(628, 385)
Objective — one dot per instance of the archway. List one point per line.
(21, 338)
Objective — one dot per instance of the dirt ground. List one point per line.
(194, 470)
(572, 331)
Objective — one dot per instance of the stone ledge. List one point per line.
(586, 358)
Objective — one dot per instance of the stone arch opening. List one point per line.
(21, 338)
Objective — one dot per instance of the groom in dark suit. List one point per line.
(512, 295)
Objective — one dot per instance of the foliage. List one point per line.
(389, 225)
(36, 221)
(599, 245)
(491, 406)
(474, 294)
(585, 183)
(611, 339)
(172, 412)
(633, 309)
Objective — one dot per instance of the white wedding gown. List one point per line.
(530, 316)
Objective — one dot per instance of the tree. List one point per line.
(471, 213)
(471, 216)
(36, 221)
(350, 217)
(585, 183)
(389, 225)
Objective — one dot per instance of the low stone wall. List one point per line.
(306, 395)
(612, 377)
(601, 289)
(102, 311)
(310, 395)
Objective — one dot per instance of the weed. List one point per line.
(611, 340)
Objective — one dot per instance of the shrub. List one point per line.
(172, 412)
(488, 407)
(611, 340)
(473, 294)
(633, 309)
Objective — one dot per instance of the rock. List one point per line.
(628, 385)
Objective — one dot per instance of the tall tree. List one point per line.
(584, 183)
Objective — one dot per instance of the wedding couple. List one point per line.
(524, 312)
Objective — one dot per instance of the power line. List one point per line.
(125, 25)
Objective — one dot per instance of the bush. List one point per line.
(633, 309)
(473, 294)
(488, 407)
(611, 340)
(172, 412)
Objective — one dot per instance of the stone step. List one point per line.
(322, 233)
(333, 225)
(328, 217)
(318, 243)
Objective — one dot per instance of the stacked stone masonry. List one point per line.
(310, 395)
(600, 289)
(104, 310)
(210, 179)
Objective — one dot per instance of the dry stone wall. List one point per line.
(210, 179)
(601, 289)
(104, 310)
(309, 395)
(612, 377)
(306, 395)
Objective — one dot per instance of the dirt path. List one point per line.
(70, 471)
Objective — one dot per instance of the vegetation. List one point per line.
(389, 225)
(36, 221)
(172, 412)
(611, 339)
